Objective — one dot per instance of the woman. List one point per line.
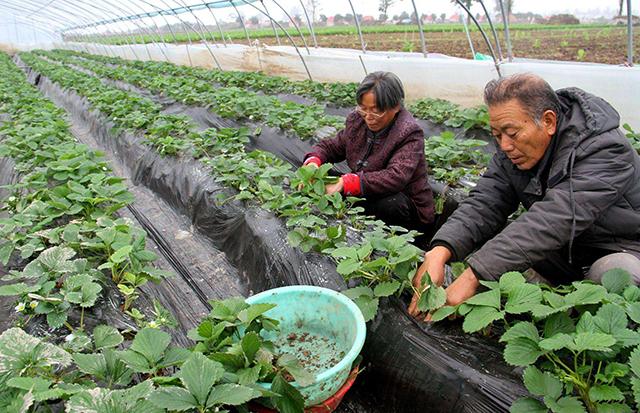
(384, 147)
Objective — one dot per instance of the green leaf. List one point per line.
(586, 294)
(121, 254)
(602, 392)
(556, 342)
(173, 398)
(610, 318)
(16, 346)
(294, 367)
(558, 323)
(523, 329)
(566, 405)
(249, 375)
(489, 298)
(633, 311)
(93, 364)
(632, 293)
(586, 323)
(479, 318)
(151, 343)
(254, 311)
(34, 384)
(522, 298)
(5, 252)
(56, 319)
(368, 306)
(356, 292)
(634, 362)
(105, 336)
(613, 408)
(432, 298)
(348, 266)
(635, 386)
(345, 252)
(199, 374)
(18, 289)
(542, 383)
(386, 289)
(616, 280)
(231, 394)
(510, 281)
(593, 342)
(290, 399)
(527, 405)
(250, 344)
(521, 352)
(443, 312)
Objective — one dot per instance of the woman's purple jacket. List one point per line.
(395, 164)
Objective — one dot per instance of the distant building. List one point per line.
(331, 21)
(368, 19)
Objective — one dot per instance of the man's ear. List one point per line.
(549, 122)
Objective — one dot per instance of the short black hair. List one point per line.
(386, 87)
(534, 94)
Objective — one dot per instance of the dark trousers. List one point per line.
(399, 210)
(557, 269)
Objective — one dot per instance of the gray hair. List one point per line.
(386, 87)
(534, 94)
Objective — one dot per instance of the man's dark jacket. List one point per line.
(395, 163)
(588, 185)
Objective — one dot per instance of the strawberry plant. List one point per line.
(233, 335)
(452, 159)
(578, 343)
(633, 137)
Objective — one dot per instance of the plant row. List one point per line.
(439, 111)
(449, 159)
(64, 207)
(61, 213)
(229, 102)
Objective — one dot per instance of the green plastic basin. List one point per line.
(324, 329)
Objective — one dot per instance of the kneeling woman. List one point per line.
(384, 148)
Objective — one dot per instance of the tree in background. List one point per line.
(312, 6)
(467, 4)
(508, 8)
(384, 5)
(443, 17)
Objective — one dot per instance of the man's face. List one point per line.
(518, 136)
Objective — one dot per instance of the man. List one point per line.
(563, 157)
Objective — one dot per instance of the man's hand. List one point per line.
(434, 261)
(463, 288)
(331, 189)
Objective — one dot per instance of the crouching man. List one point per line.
(562, 156)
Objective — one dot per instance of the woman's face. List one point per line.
(374, 118)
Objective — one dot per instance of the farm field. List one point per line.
(598, 45)
(581, 43)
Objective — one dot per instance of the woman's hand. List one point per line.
(331, 189)
(311, 165)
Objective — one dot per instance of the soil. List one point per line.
(316, 352)
(600, 45)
